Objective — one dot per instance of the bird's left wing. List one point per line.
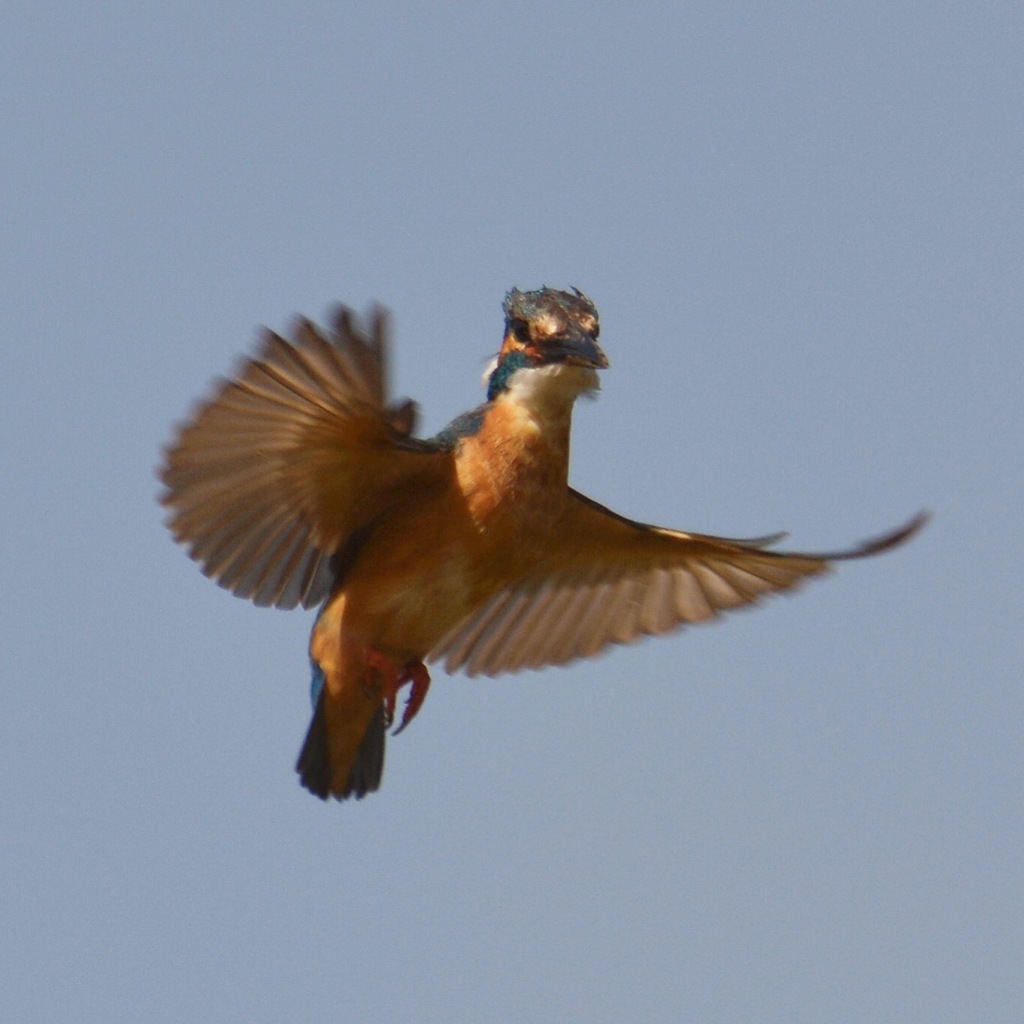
(282, 471)
(609, 580)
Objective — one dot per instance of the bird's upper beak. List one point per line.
(576, 348)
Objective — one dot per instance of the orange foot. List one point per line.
(414, 672)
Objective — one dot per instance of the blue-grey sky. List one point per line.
(802, 224)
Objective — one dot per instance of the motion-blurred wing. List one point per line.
(608, 580)
(287, 463)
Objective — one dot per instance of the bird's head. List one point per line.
(548, 328)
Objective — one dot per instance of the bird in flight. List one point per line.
(299, 482)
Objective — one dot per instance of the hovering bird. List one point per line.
(298, 483)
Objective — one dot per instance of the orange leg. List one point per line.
(414, 672)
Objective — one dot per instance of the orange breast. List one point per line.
(439, 555)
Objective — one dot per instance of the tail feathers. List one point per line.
(315, 765)
(368, 767)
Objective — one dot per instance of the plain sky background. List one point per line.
(802, 224)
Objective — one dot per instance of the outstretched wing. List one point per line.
(291, 461)
(609, 580)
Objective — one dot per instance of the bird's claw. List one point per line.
(414, 673)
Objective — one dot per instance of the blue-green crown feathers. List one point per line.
(528, 305)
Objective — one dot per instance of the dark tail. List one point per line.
(316, 771)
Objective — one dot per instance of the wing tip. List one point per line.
(886, 541)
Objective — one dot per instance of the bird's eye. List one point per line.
(521, 330)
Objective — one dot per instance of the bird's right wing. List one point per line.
(289, 463)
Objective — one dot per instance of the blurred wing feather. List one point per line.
(608, 580)
(290, 460)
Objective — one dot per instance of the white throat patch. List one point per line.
(546, 388)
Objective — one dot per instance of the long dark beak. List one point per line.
(575, 347)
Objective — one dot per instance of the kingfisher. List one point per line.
(299, 481)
